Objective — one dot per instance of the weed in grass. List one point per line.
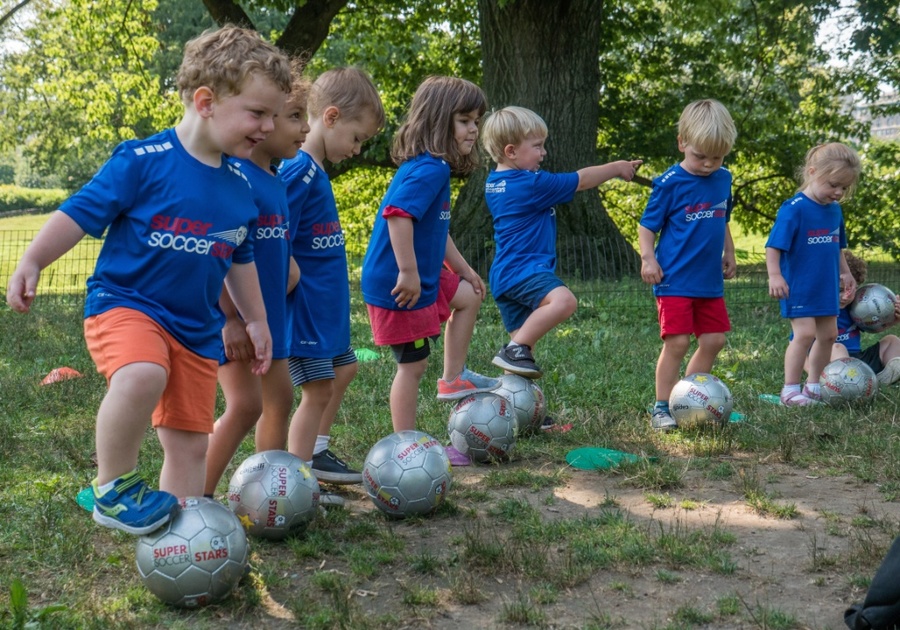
(720, 472)
(544, 593)
(522, 478)
(416, 595)
(690, 504)
(622, 587)
(692, 616)
(859, 581)
(426, 563)
(659, 501)
(465, 589)
(667, 577)
(764, 505)
(728, 605)
(649, 475)
(524, 611)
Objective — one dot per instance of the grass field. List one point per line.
(513, 546)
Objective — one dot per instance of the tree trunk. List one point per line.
(306, 30)
(545, 56)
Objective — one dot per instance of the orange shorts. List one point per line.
(122, 336)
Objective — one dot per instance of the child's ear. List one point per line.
(331, 115)
(681, 144)
(204, 99)
(509, 152)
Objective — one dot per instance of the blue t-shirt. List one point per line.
(848, 333)
(421, 187)
(319, 308)
(272, 249)
(810, 237)
(175, 226)
(522, 206)
(690, 213)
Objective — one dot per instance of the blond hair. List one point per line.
(224, 59)
(510, 125)
(830, 160)
(350, 90)
(428, 127)
(708, 127)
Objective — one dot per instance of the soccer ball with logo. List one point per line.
(847, 380)
(274, 494)
(483, 426)
(700, 400)
(197, 558)
(872, 309)
(407, 473)
(527, 400)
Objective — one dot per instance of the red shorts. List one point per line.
(686, 316)
(391, 328)
(122, 335)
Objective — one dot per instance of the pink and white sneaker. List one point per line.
(794, 398)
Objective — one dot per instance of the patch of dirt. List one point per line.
(798, 567)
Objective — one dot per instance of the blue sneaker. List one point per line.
(468, 382)
(132, 507)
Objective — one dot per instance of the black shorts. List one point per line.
(871, 356)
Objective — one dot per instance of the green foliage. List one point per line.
(81, 83)
(18, 198)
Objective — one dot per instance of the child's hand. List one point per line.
(651, 272)
(729, 266)
(849, 283)
(778, 287)
(408, 289)
(628, 169)
(238, 346)
(22, 287)
(472, 277)
(259, 335)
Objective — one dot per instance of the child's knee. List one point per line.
(677, 344)
(712, 342)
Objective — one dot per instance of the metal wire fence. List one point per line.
(584, 270)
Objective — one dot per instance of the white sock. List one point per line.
(321, 443)
(813, 388)
(787, 389)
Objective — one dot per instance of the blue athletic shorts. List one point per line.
(523, 299)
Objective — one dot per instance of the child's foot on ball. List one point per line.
(662, 420)
(517, 359)
(468, 382)
(131, 506)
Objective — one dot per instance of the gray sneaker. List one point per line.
(891, 373)
(517, 358)
(327, 466)
(663, 421)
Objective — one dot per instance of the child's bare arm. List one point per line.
(729, 261)
(242, 283)
(847, 279)
(778, 286)
(409, 286)
(454, 261)
(293, 274)
(592, 176)
(238, 346)
(651, 272)
(59, 234)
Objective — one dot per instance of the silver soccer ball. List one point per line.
(197, 558)
(847, 380)
(484, 427)
(407, 473)
(872, 309)
(274, 494)
(527, 400)
(700, 400)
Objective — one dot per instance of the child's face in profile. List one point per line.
(698, 162)
(465, 131)
(528, 154)
(827, 188)
(348, 135)
(291, 127)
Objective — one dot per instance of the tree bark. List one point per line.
(545, 56)
(306, 30)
